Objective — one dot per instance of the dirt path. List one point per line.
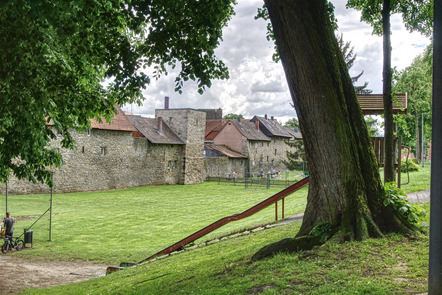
(18, 273)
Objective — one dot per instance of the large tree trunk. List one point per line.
(345, 187)
(388, 102)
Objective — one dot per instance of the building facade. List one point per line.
(178, 146)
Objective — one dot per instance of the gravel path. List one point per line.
(19, 273)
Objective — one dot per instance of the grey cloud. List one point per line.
(268, 86)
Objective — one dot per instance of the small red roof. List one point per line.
(118, 122)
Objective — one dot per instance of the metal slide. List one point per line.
(217, 224)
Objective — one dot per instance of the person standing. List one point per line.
(8, 223)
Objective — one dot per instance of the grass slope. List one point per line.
(394, 265)
(129, 225)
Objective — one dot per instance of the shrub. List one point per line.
(322, 230)
(412, 165)
(397, 198)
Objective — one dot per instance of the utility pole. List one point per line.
(435, 263)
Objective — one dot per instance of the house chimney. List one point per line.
(257, 124)
(265, 116)
(272, 118)
(160, 124)
(166, 102)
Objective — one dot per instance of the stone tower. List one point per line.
(189, 125)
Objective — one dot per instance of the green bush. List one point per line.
(397, 198)
(412, 165)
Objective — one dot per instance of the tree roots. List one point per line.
(289, 245)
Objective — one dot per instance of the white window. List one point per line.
(256, 145)
(88, 132)
(103, 151)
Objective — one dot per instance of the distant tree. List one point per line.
(297, 154)
(233, 116)
(417, 16)
(350, 57)
(291, 123)
(372, 125)
(416, 80)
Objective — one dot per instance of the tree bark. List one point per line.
(388, 102)
(345, 188)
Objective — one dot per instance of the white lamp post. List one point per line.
(422, 150)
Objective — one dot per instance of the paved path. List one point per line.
(419, 197)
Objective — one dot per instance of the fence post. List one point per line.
(276, 210)
(268, 180)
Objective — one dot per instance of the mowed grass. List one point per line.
(130, 225)
(417, 180)
(393, 265)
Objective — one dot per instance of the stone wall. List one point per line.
(190, 126)
(109, 159)
(223, 167)
(265, 155)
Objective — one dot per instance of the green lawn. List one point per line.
(132, 224)
(418, 180)
(394, 265)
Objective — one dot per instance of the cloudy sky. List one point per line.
(257, 85)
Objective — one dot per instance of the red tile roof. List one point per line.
(213, 127)
(118, 122)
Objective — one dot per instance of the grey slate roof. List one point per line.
(226, 151)
(271, 127)
(293, 133)
(248, 130)
(149, 128)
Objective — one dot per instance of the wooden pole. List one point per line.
(435, 263)
(50, 212)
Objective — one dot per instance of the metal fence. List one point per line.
(265, 180)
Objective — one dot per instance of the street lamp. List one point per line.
(422, 150)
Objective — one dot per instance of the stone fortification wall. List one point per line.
(223, 167)
(190, 126)
(265, 155)
(109, 159)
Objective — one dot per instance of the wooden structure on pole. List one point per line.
(373, 104)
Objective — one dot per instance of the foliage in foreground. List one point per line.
(64, 62)
(398, 199)
(392, 265)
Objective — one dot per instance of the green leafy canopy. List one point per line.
(64, 62)
(416, 14)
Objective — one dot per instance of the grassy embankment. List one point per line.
(129, 225)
